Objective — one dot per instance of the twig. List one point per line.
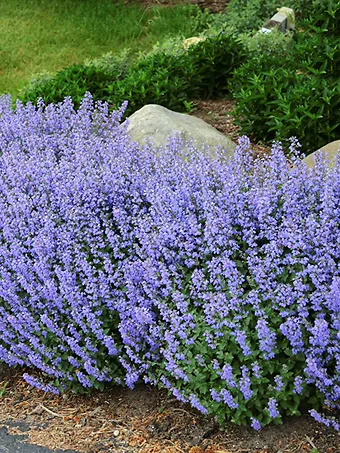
(95, 411)
(311, 443)
(177, 448)
(178, 409)
(51, 412)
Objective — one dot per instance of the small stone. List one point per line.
(290, 14)
(116, 432)
(192, 41)
(283, 20)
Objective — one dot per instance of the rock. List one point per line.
(330, 151)
(157, 123)
(192, 41)
(290, 14)
(283, 20)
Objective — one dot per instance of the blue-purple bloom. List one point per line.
(272, 408)
(175, 266)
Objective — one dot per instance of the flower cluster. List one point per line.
(217, 279)
(69, 195)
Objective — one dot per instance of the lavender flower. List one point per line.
(177, 267)
(272, 408)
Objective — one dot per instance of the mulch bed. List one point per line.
(144, 420)
(218, 113)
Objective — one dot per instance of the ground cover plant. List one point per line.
(42, 36)
(216, 279)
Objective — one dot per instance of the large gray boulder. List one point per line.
(156, 123)
(330, 151)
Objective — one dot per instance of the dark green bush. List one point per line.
(281, 103)
(75, 81)
(318, 54)
(318, 45)
(215, 59)
(323, 17)
(255, 93)
(311, 110)
(157, 79)
(171, 79)
(292, 89)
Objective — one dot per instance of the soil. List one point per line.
(218, 113)
(144, 420)
(214, 6)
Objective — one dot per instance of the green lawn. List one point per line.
(47, 35)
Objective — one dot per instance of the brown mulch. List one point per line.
(218, 113)
(143, 420)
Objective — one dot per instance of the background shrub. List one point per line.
(248, 16)
(98, 78)
(217, 279)
(174, 79)
(278, 104)
(291, 86)
(171, 78)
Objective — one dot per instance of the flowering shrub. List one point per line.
(216, 279)
(69, 195)
(240, 263)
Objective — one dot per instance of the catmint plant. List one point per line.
(215, 278)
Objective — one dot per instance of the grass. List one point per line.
(44, 35)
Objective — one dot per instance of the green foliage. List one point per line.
(290, 87)
(269, 47)
(255, 94)
(318, 54)
(310, 109)
(215, 59)
(280, 103)
(324, 17)
(318, 45)
(172, 78)
(158, 79)
(3, 389)
(201, 359)
(246, 16)
(76, 80)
